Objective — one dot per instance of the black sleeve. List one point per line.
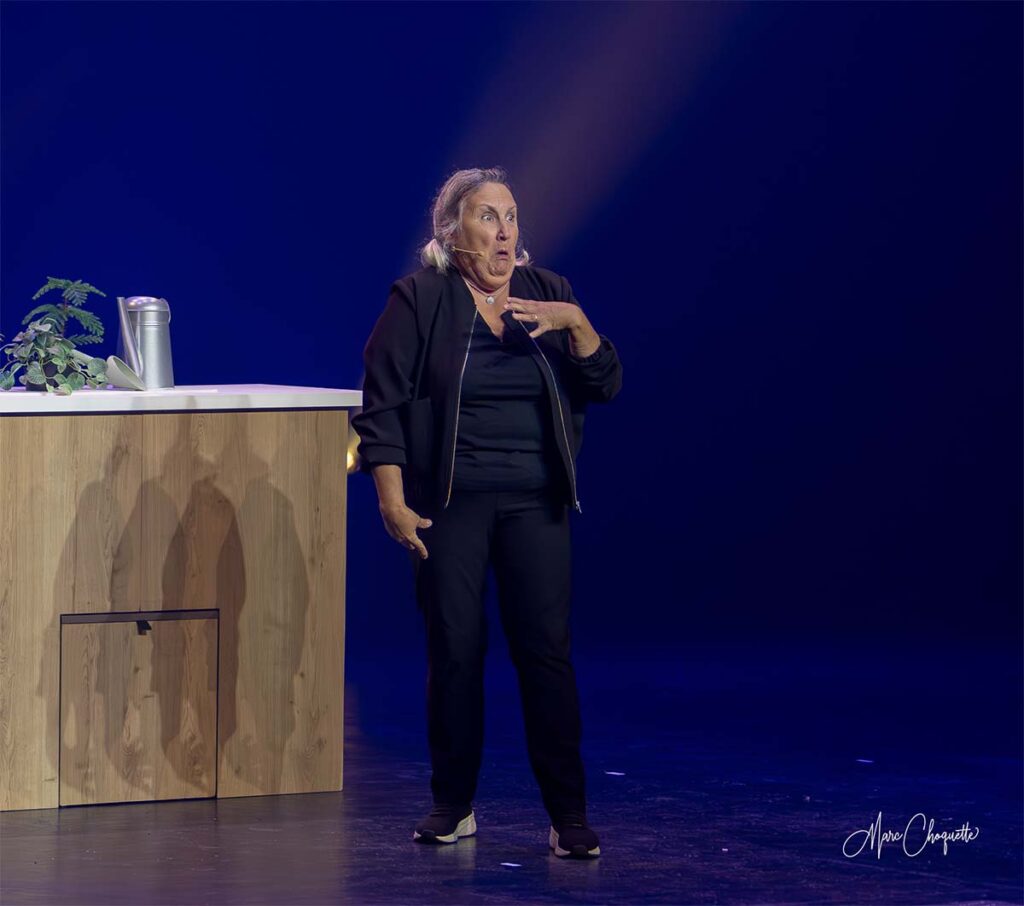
(597, 376)
(388, 359)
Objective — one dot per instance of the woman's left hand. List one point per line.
(548, 315)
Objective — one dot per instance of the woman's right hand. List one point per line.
(401, 524)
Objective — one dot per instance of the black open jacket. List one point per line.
(434, 314)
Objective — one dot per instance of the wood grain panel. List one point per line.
(239, 511)
(138, 711)
(69, 542)
(245, 512)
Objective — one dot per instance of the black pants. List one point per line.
(524, 535)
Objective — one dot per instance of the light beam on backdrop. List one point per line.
(570, 108)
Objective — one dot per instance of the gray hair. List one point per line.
(449, 204)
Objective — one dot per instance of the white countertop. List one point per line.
(19, 401)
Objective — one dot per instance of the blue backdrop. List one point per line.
(799, 223)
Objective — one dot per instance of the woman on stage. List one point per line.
(478, 375)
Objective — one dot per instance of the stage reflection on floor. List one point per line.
(721, 774)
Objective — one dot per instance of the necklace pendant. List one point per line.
(490, 300)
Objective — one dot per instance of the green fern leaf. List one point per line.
(89, 319)
(84, 339)
(52, 283)
(52, 309)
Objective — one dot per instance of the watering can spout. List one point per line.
(131, 349)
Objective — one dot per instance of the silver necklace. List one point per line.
(489, 298)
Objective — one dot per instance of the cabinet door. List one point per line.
(138, 707)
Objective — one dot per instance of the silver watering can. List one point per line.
(146, 339)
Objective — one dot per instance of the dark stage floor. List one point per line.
(719, 775)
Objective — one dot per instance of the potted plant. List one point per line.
(51, 360)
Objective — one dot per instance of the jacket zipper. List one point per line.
(558, 400)
(458, 405)
(561, 418)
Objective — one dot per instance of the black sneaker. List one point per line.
(445, 824)
(570, 836)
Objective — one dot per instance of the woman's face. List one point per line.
(489, 226)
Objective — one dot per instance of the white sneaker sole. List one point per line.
(553, 843)
(465, 828)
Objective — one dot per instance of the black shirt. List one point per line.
(505, 437)
(435, 308)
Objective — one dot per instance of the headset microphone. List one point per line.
(469, 251)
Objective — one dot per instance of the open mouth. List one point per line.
(502, 253)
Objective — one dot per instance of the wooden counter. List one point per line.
(172, 593)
